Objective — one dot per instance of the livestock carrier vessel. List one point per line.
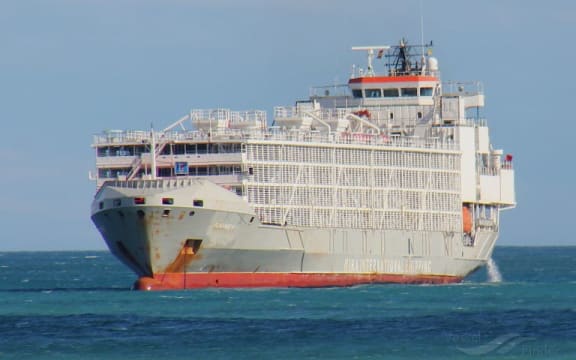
(390, 178)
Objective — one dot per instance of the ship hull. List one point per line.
(225, 245)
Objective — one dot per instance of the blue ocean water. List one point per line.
(78, 305)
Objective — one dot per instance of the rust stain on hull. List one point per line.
(185, 257)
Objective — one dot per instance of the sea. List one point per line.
(79, 305)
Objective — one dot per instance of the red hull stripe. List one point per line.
(389, 79)
(174, 281)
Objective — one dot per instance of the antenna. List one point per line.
(422, 25)
(153, 151)
(370, 50)
(422, 37)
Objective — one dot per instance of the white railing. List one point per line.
(152, 184)
(329, 114)
(462, 87)
(354, 139)
(330, 90)
(215, 115)
(228, 117)
(254, 129)
(474, 122)
(274, 134)
(121, 136)
(251, 116)
(490, 171)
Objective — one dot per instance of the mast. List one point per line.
(153, 152)
(402, 60)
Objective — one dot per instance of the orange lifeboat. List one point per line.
(466, 219)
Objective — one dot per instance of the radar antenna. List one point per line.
(370, 50)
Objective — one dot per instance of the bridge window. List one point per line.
(357, 94)
(202, 148)
(103, 151)
(373, 93)
(165, 172)
(190, 148)
(426, 91)
(391, 93)
(179, 149)
(229, 148)
(409, 91)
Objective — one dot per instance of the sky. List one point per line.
(72, 68)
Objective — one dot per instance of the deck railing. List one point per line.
(272, 134)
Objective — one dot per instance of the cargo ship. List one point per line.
(388, 178)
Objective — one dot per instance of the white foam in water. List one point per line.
(494, 275)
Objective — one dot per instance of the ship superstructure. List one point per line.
(388, 178)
